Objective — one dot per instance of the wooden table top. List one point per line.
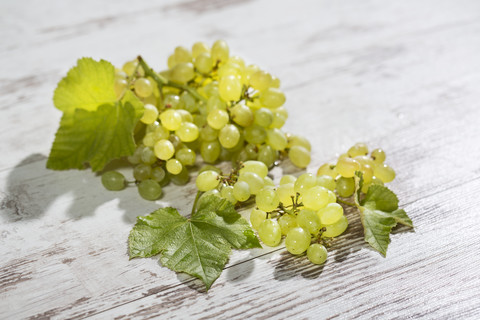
(401, 75)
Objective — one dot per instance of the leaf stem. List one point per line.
(346, 202)
(194, 207)
(161, 81)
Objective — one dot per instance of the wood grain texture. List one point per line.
(401, 75)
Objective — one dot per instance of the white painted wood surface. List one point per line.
(404, 75)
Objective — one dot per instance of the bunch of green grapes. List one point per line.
(207, 103)
(372, 166)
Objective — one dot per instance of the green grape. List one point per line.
(335, 229)
(160, 133)
(255, 182)
(229, 136)
(189, 102)
(285, 193)
(278, 120)
(213, 192)
(207, 133)
(295, 140)
(367, 173)
(143, 87)
(260, 80)
(315, 198)
(227, 193)
(275, 82)
(270, 233)
(130, 66)
(171, 119)
(374, 181)
(204, 63)
(217, 119)
(211, 90)
(256, 167)
(346, 167)
(267, 155)
(113, 180)
(326, 182)
(267, 181)
(363, 160)
(288, 178)
(149, 139)
(267, 199)
(174, 166)
(305, 182)
(187, 132)
(171, 61)
(186, 116)
(255, 134)
(149, 190)
(182, 54)
(210, 167)
(241, 191)
(297, 240)
(287, 222)
(251, 69)
(230, 88)
(327, 169)
(182, 72)
(272, 98)
(330, 214)
(276, 139)
(176, 142)
(120, 87)
(240, 142)
(378, 155)
(164, 149)
(332, 198)
(186, 156)
(238, 61)
(238, 156)
(214, 102)
(229, 68)
(199, 48)
(299, 156)
(142, 172)
(345, 187)
(207, 180)
(257, 216)
(148, 156)
(241, 115)
(317, 253)
(180, 179)
(252, 152)
(384, 172)
(172, 101)
(158, 174)
(263, 117)
(309, 220)
(210, 151)
(220, 51)
(358, 149)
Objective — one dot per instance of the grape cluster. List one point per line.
(210, 103)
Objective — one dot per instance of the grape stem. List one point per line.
(346, 202)
(161, 81)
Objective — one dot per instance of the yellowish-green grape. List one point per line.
(295, 140)
(182, 54)
(276, 139)
(335, 229)
(384, 172)
(375, 180)
(174, 166)
(331, 213)
(227, 193)
(255, 182)
(317, 253)
(187, 132)
(287, 222)
(143, 87)
(267, 181)
(297, 241)
(326, 182)
(220, 51)
(229, 136)
(164, 149)
(364, 160)
(263, 117)
(278, 120)
(272, 98)
(229, 68)
(207, 180)
(173, 101)
(242, 115)
(378, 156)
(285, 193)
(199, 48)
(160, 133)
(150, 114)
(288, 178)
(257, 167)
(346, 167)
(230, 88)
(120, 86)
(171, 119)
(257, 216)
(142, 172)
(171, 61)
(299, 156)
(210, 151)
(130, 66)
(345, 187)
(217, 119)
(148, 156)
(204, 63)
(186, 156)
(182, 72)
(275, 83)
(149, 189)
(267, 155)
(267, 199)
(308, 219)
(207, 133)
(327, 169)
(260, 80)
(241, 191)
(149, 139)
(358, 149)
(238, 61)
(113, 180)
(251, 69)
(367, 173)
(186, 116)
(315, 198)
(270, 233)
(255, 134)
(305, 182)
(158, 174)
(332, 198)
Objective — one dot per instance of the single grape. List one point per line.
(199, 48)
(120, 86)
(263, 117)
(227, 193)
(207, 133)
(174, 166)
(172, 101)
(331, 213)
(276, 139)
(287, 222)
(363, 160)
(204, 63)
(180, 179)
(149, 190)
(229, 136)
(182, 54)
(220, 51)
(186, 156)
(346, 167)
(308, 219)
(326, 182)
(143, 87)
(267, 199)
(255, 134)
(297, 240)
(130, 66)
(149, 139)
(345, 187)
(315, 198)
(257, 216)
(255, 182)
(257, 167)
(186, 116)
(335, 229)
(241, 115)
(317, 253)
(182, 72)
(210, 151)
(158, 174)
(358, 149)
(207, 180)
(171, 119)
(305, 182)
(241, 191)
(217, 119)
(332, 198)
(295, 140)
(272, 98)
(299, 156)
(260, 80)
(164, 149)
(327, 169)
(270, 233)
(378, 156)
(267, 181)
(230, 88)
(113, 180)
(187, 132)
(142, 172)
(285, 193)
(148, 155)
(288, 178)
(367, 173)
(384, 172)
